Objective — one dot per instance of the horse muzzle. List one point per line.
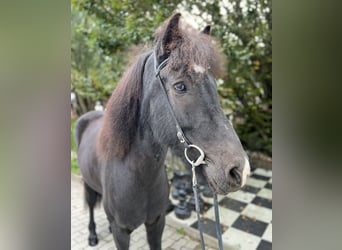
(228, 178)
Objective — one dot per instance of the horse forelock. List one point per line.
(122, 113)
(193, 52)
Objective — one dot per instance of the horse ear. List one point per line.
(168, 38)
(207, 30)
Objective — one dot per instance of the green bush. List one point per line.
(74, 164)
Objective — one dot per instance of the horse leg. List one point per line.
(154, 232)
(91, 198)
(121, 236)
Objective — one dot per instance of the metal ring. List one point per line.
(200, 159)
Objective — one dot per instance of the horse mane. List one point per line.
(191, 48)
(122, 113)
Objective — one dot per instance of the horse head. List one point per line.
(193, 64)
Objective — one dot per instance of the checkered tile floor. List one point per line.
(245, 215)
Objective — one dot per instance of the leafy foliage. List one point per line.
(104, 30)
(74, 164)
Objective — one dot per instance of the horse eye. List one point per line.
(180, 87)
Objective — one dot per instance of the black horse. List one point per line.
(121, 151)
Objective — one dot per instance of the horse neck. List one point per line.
(148, 145)
(146, 158)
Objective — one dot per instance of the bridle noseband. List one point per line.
(194, 163)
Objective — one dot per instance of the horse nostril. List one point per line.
(237, 174)
(234, 174)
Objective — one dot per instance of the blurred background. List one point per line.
(103, 33)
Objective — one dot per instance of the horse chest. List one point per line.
(135, 199)
(136, 207)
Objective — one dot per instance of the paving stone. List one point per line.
(246, 218)
(79, 228)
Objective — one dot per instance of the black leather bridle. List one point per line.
(200, 160)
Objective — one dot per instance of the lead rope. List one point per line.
(217, 223)
(217, 215)
(195, 189)
(194, 164)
